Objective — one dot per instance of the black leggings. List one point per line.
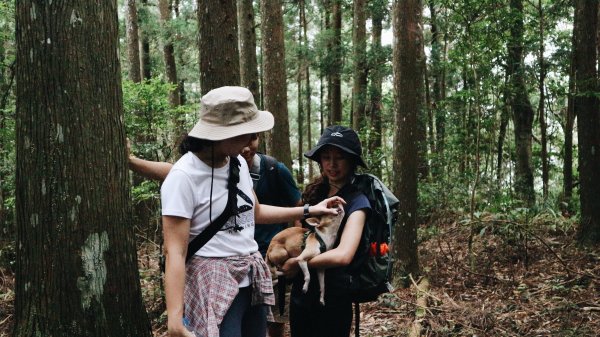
(320, 321)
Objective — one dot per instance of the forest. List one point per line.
(481, 116)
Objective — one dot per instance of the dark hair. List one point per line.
(316, 190)
(193, 144)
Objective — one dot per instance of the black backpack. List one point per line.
(371, 268)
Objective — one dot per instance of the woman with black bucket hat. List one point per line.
(338, 153)
(223, 288)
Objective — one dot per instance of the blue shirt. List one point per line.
(274, 186)
(355, 201)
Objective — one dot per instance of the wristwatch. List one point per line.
(306, 212)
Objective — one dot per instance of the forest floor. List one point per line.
(516, 280)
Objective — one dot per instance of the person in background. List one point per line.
(338, 154)
(273, 184)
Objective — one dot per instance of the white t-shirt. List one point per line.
(186, 193)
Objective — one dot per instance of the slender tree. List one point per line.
(133, 42)
(407, 85)
(437, 70)
(218, 44)
(145, 63)
(76, 271)
(521, 106)
(335, 85)
(164, 7)
(588, 114)
(378, 9)
(542, 100)
(308, 90)
(568, 124)
(359, 42)
(247, 46)
(275, 88)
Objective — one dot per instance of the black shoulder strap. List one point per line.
(230, 209)
(271, 171)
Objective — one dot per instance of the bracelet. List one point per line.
(306, 211)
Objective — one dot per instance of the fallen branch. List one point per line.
(422, 294)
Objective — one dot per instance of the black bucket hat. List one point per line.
(341, 137)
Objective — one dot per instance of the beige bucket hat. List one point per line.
(227, 112)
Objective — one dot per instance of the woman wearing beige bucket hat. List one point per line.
(224, 287)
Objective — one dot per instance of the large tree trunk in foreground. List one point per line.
(76, 271)
(407, 84)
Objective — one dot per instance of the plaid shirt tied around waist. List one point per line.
(212, 283)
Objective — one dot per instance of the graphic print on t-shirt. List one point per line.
(245, 215)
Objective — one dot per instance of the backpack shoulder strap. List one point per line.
(271, 171)
(230, 209)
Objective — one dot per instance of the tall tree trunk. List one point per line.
(423, 97)
(300, 72)
(378, 9)
(275, 87)
(407, 87)
(541, 105)
(588, 114)
(325, 68)
(335, 116)
(569, 121)
(146, 67)
(169, 53)
(77, 272)
(521, 107)
(308, 90)
(437, 67)
(359, 42)
(133, 42)
(218, 44)
(247, 46)
(504, 118)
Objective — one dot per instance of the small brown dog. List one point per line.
(290, 242)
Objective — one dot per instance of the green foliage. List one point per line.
(150, 121)
(7, 118)
(146, 190)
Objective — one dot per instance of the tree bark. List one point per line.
(146, 67)
(133, 42)
(588, 114)
(359, 42)
(77, 272)
(437, 68)
(308, 90)
(521, 107)
(569, 122)
(541, 104)
(274, 80)
(335, 92)
(377, 68)
(169, 53)
(247, 46)
(218, 44)
(407, 85)
(301, 61)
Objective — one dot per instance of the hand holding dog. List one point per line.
(327, 206)
(290, 268)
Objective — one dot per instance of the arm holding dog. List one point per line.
(342, 255)
(267, 214)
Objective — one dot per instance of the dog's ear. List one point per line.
(313, 221)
